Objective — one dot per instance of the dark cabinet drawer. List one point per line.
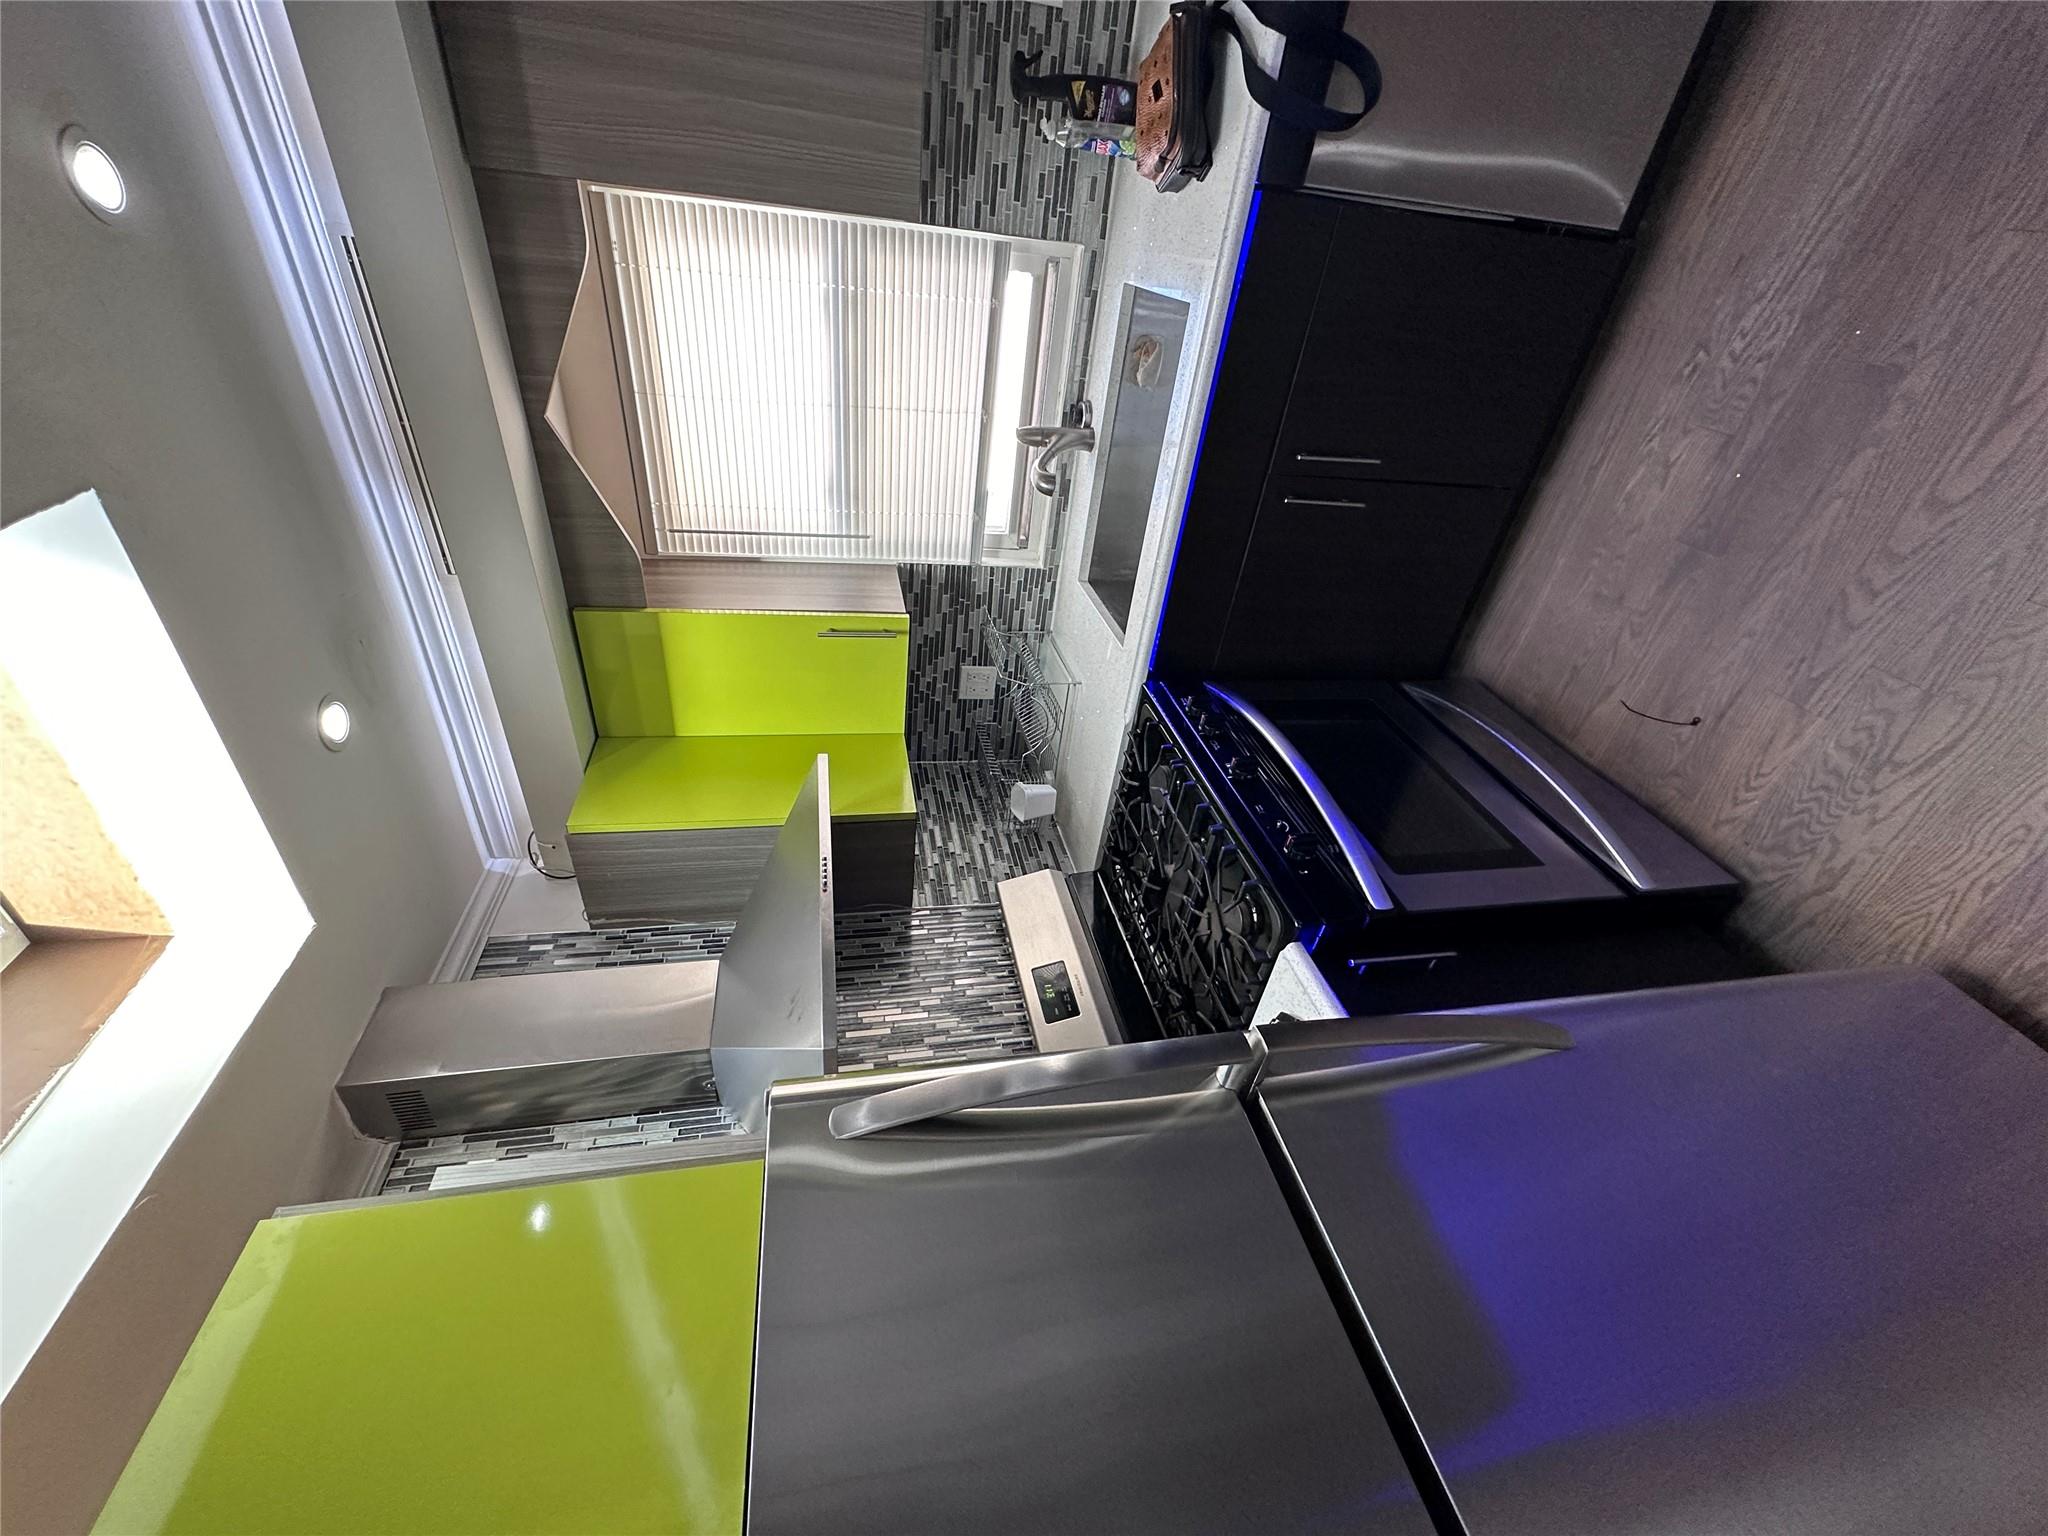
(1441, 349)
(1360, 579)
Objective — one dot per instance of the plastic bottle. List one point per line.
(1115, 140)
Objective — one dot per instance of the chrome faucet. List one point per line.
(1076, 433)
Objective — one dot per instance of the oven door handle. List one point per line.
(1349, 842)
(1552, 790)
(1234, 1056)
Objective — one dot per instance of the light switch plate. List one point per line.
(977, 683)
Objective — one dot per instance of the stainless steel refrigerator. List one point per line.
(1755, 1256)
(1513, 110)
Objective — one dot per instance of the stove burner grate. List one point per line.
(1205, 923)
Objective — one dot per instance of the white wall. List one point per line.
(149, 360)
(1185, 245)
(71, 603)
(375, 72)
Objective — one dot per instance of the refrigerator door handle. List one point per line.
(1287, 1033)
(1235, 1056)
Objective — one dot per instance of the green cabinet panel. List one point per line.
(680, 672)
(570, 1357)
(683, 783)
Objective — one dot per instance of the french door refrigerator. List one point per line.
(1753, 1256)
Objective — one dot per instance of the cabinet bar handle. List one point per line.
(1318, 501)
(1426, 957)
(861, 634)
(1332, 458)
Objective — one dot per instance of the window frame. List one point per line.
(1056, 266)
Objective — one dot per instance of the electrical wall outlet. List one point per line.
(977, 683)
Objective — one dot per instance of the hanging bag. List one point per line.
(1174, 81)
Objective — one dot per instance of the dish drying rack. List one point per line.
(1021, 737)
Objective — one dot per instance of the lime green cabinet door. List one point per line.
(679, 672)
(566, 1358)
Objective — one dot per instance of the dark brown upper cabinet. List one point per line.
(1330, 560)
(1389, 384)
(1441, 349)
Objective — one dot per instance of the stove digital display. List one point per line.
(1055, 991)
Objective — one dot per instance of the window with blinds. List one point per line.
(816, 386)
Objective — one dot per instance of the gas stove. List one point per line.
(1426, 846)
(1202, 922)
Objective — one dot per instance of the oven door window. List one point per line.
(1416, 817)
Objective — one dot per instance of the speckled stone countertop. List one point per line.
(1296, 988)
(1184, 244)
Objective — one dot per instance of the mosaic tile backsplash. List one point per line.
(986, 168)
(936, 984)
(930, 985)
(967, 840)
(417, 1162)
(583, 950)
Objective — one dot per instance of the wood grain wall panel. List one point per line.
(534, 227)
(600, 566)
(700, 876)
(811, 105)
(706, 874)
(1802, 497)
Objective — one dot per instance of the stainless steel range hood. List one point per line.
(532, 1050)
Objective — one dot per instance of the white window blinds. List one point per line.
(803, 386)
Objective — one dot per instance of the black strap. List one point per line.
(1318, 41)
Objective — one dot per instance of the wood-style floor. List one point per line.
(1804, 497)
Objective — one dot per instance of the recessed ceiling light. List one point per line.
(332, 722)
(94, 176)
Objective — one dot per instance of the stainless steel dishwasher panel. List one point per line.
(1086, 1317)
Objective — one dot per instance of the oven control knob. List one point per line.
(1293, 846)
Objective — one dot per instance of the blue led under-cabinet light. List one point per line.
(1244, 251)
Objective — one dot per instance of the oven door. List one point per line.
(1425, 826)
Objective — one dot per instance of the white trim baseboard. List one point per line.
(466, 943)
